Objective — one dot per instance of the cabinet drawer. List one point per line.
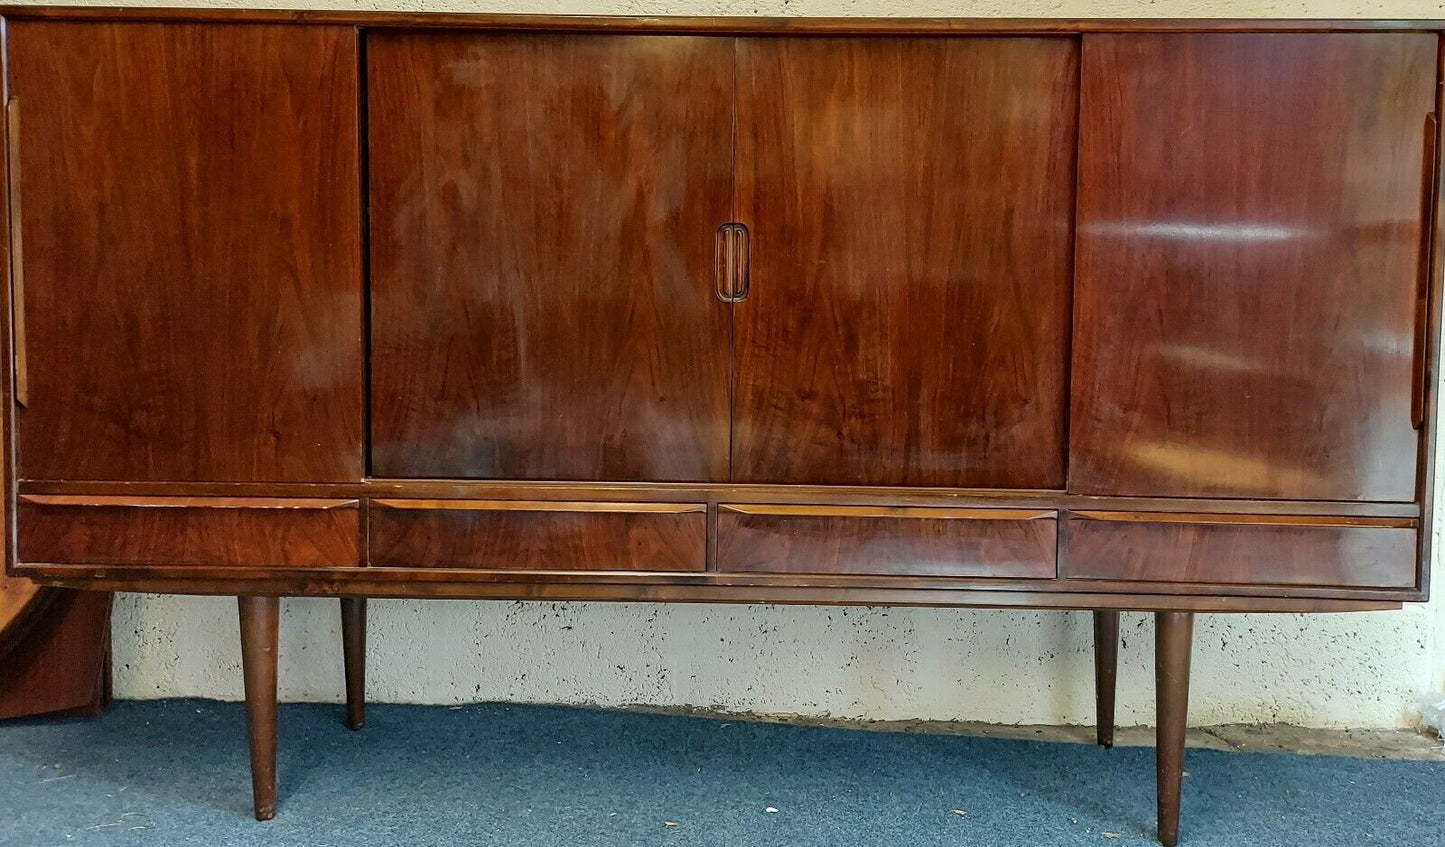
(196, 531)
(540, 536)
(887, 541)
(1242, 549)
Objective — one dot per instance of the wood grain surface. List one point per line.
(192, 257)
(909, 202)
(543, 211)
(1249, 259)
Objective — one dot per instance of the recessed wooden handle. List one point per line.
(17, 252)
(1420, 384)
(732, 263)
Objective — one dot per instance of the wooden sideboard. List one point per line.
(1100, 315)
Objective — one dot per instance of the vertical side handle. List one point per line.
(742, 248)
(1430, 200)
(17, 251)
(732, 253)
(722, 265)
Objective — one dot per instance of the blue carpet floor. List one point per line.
(175, 772)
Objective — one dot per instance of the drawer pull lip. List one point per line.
(1241, 518)
(17, 253)
(1420, 372)
(540, 506)
(934, 512)
(163, 502)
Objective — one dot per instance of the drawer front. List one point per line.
(194, 531)
(887, 541)
(538, 536)
(1243, 550)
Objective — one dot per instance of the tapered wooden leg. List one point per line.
(1106, 670)
(260, 619)
(1174, 636)
(353, 647)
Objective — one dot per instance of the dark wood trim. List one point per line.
(1430, 198)
(8, 468)
(1430, 431)
(325, 581)
(16, 257)
(376, 582)
(721, 25)
(810, 495)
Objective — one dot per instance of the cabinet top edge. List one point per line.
(718, 25)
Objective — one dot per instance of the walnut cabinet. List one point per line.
(1066, 314)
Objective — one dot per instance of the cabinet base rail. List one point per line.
(260, 644)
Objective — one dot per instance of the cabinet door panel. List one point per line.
(542, 230)
(192, 251)
(1248, 262)
(909, 202)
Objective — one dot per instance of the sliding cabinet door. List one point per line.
(543, 220)
(188, 200)
(909, 204)
(1249, 260)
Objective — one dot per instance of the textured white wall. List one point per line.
(1362, 670)
(876, 664)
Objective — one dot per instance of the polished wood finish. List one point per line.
(713, 586)
(692, 585)
(909, 204)
(260, 624)
(1174, 639)
(1421, 344)
(57, 660)
(1248, 260)
(843, 495)
(542, 256)
(191, 532)
(682, 587)
(897, 541)
(1106, 672)
(353, 643)
(16, 264)
(723, 311)
(192, 263)
(8, 405)
(501, 535)
(717, 25)
(1434, 296)
(1215, 549)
